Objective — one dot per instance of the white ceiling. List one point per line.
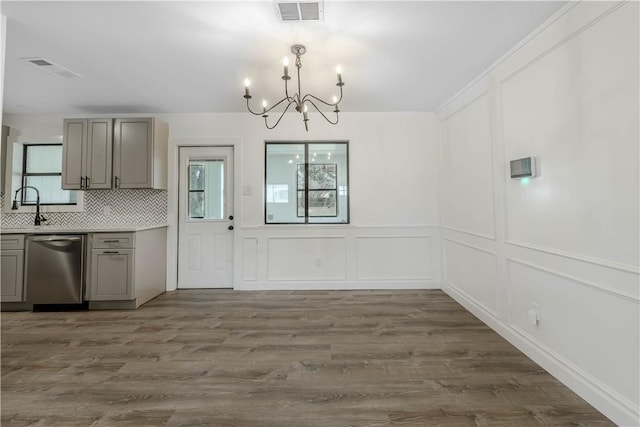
(192, 57)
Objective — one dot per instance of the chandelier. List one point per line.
(301, 102)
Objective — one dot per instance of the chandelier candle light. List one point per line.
(301, 102)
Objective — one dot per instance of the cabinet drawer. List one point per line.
(12, 241)
(113, 240)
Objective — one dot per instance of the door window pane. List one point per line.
(196, 204)
(206, 189)
(196, 177)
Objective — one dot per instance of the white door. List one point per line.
(205, 212)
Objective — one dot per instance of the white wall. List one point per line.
(393, 238)
(393, 160)
(565, 244)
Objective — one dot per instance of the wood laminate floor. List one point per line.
(224, 358)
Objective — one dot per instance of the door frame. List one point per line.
(173, 180)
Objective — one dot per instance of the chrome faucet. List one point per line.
(14, 206)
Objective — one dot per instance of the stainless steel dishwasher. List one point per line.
(54, 271)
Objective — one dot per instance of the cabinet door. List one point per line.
(73, 153)
(99, 153)
(11, 276)
(133, 153)
(111, 275)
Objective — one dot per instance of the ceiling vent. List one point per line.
(50, 67)
(293, 11)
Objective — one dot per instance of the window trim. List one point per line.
(306, 217)
(14, 172)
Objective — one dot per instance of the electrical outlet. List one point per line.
(318, 262)
(533, 316)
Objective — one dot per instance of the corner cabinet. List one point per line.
(140, 153)
(114, 153)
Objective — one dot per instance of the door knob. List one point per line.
(230, 217)
(230, 227)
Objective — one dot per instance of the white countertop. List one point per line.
(52, 229)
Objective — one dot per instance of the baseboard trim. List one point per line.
(591, 390)
(335, 286)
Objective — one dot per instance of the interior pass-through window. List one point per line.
(307, 183)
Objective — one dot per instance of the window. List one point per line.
(278, 193)
(42, 169)
(206, 189)
(306, 183)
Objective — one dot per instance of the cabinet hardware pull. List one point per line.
(117, 179)
(56, 239)
(111, 252)
(86, 179)
(81, 182)
(111, 241)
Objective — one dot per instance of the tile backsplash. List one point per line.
(128, 208)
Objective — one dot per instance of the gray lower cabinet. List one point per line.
(12, 268)
(126, 269)
(111, 274)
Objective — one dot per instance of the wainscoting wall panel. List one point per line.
(249, 259)
(571, 313)
(301, 258)
(394, 258)
(467, 182)
(339, 257)
(472, 269)
(583, 119)
(566, 243)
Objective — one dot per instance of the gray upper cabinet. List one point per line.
(87, 154)
(125, 153)
(99, 153)
(73, 153)
(140, 153)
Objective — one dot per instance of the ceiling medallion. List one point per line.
(300, 102)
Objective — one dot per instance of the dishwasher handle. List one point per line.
(57, 239)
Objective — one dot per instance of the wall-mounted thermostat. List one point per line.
(522, 168)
